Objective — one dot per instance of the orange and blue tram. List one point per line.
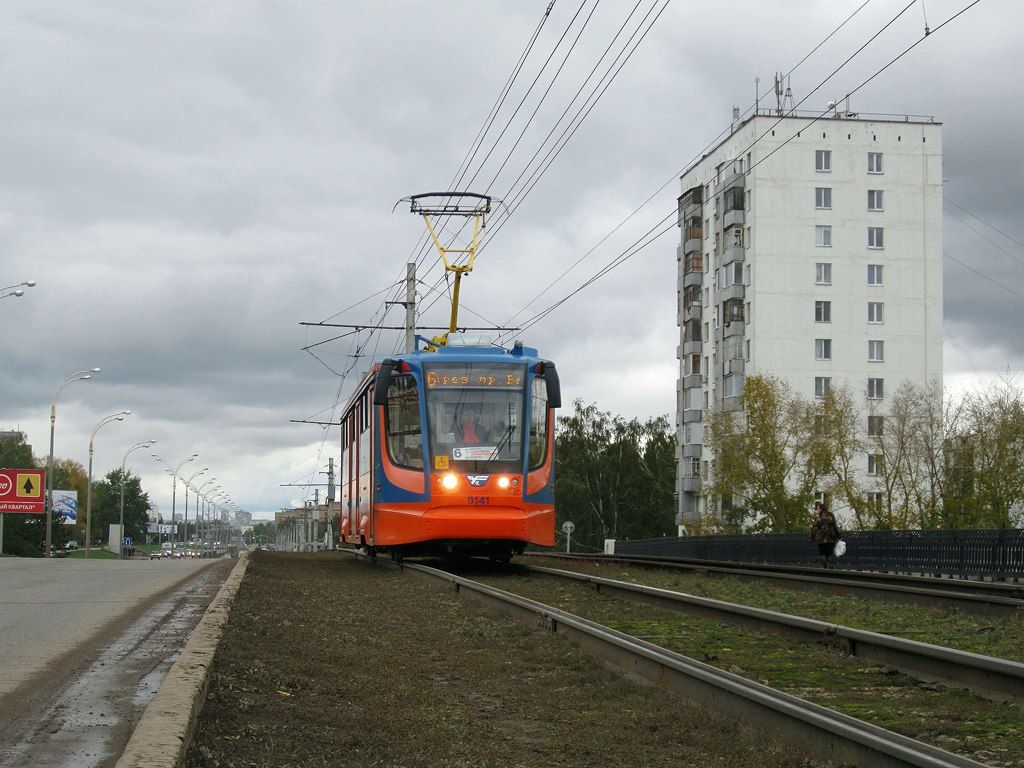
(451, 452)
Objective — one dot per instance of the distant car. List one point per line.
(155, 555)
(71, 545)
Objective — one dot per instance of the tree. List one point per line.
(106, 509)
(985, 459)
(614, 478)
(766, 460)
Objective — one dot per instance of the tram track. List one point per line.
(988, 676)
(825, 733)
(982, 598)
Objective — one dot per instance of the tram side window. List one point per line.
(404, 431)
(538, 423)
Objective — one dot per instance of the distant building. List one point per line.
(243, 517)
(810, 250)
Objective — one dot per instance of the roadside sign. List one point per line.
(65, 504)
(127, 541)
(21, 490)
(568, 526)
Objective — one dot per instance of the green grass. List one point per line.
(94, 554)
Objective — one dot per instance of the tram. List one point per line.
(449, 449)
(451, 452)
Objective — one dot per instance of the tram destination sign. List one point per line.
(22, 491)
(473, 376)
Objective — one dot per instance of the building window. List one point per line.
(749, 239)
(876, 312)
(823, 160)
(823, 273)
(874, 162)
(823, 349)
(733, 274)
(737, 236)
(746, 354)
(876, 351)
(823, 236)
(822, 385)
(875, 200)
(874, 464)
(823, 311)
(875, 274)
(875, 424)
(875, 237)
(876, 389)
(823, 198)
(876, 499)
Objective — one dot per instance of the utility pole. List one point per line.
(330, 498)
(410, 307)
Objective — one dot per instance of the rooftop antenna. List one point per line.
(778, 93)
(787, 98)
(468, 205)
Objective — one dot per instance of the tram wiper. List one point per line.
(506, 437)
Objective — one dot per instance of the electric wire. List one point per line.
(984, 221)
(633, 250)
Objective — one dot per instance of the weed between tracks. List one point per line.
(327, 661)
(954, 720)
(952, 628)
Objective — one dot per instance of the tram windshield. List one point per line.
(475, 416)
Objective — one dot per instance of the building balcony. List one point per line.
(692, 451)
(732, 178)
(692, 312)
(692, 245)
(691, 415)
(692, 209)
(733, 253)
(732, 404)
(693, 381)
(693, 278)
(691, 484)
(733, 218)
(735, 328)
(692, 347)
(736, 365)
(734, 291)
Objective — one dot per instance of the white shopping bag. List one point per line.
(840, 549)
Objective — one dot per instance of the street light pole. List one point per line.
(145, 444)
(6, 291)
(88, 493)
(201, 512)
(77, 376)
(188, 483)
(174, 493)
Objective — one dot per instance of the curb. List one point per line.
(162, 736)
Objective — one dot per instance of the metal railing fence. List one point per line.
(986, 554)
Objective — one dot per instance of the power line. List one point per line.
(982, 275)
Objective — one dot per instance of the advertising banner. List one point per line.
(66, 503)
(21, 490)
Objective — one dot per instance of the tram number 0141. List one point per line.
(478, 501)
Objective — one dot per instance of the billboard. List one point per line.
(21, 490)
(66, 503)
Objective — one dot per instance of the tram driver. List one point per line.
(469, 430)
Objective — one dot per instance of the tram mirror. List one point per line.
(554, 388)
(380, 386)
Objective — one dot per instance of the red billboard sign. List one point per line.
(23, 491)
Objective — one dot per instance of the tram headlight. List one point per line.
(449, 481)
(503, 482)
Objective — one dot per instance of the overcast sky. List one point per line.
(188, 181)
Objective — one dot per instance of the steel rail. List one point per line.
(824, 733)
(988, 676)
(970, 586)
(987, 605)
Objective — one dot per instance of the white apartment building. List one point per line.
(811, 249)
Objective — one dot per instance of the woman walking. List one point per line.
(825, 531)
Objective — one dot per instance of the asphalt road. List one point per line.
(84, 645)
